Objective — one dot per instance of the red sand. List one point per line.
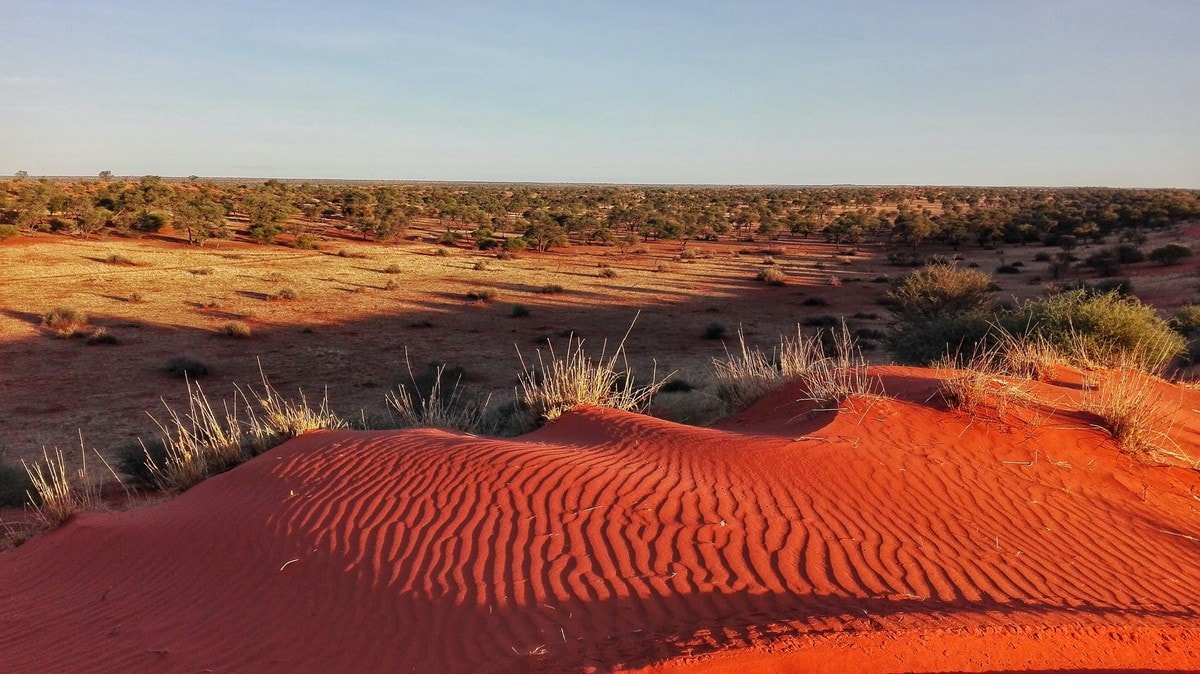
(900, 537)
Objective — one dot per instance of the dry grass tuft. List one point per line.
(1129, 404)
(56, 496)
(836, 379)
(979, 387)
(442, 407)
(563, 383)
(206, 440)
(748, 374)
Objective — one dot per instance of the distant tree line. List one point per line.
(543, 217)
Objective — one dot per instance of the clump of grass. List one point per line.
(391, 285)
(235, 330)
(56, 496)
(202, 271)
(744, 375)
(573, 379)
(480, 265)
(1129, 404)
(119, 259)
(102, 337)
(551, 289)
(520, 311)
(481, 295)
(440, 252)
(356, 254)
(607, 272)
(978, 387)
(771, 276)
(64, 317)
(206, 440)
(437, 404)
(392, 269)
(186, 367)
(815, 301)
(842, 375)
(275, 277)
(285, 293)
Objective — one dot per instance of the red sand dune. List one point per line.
(899, 537)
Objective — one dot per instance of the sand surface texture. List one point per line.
(895, 536)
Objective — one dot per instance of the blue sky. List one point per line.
(995, 93)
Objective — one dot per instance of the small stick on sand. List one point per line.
(290, 561)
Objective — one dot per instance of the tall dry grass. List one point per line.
(563, 382)
(443, 406)
(1132, 407)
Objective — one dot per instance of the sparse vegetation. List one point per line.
(481, 295)
(102, 337)
(520, 311)
(120, 260)
(714, 330)
(284, 294)
(430, 402)
(551, 289)
(392, 269)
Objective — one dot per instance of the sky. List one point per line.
(997, 92)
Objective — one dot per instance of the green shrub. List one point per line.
(9, 231)
(940, 291)
(309, 242)
(1186, 321)
(520, 311)
(1106, 329)
(714, 330)
(1130, 254)
(815, 301)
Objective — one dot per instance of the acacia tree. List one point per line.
(202, 217)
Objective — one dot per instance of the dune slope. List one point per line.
(896, 537)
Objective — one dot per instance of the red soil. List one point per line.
(895, 537)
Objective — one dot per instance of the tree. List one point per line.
(105, 176)
(92, 221)
(202, 217)
(912, 227)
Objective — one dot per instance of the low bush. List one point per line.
(551, 289)
(119, 259)
(940, 291)
(102, 337)
(15, 486)
(182, 367)
(815, 301)
(714, 330)
(64, 317)
(771, 276)
(392, 269)
(607, 272)
(520, 311)
(9, 231)
(284, 294)
(1008, 269)
(823, 321)
(235, 330)
(481, 295)
(1186, 320)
